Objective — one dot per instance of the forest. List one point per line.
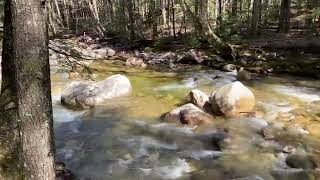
(160, 89)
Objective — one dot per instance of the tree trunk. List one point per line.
(284, 19)
(154, 20)
(66, 14)
(256, 8)
(164, 15)
(58, 10)
(173, 20)
(8, 132)
(33, 93)
(234, 8)
(131, 22)
(94, 10)
(265, 13)
(219, 13)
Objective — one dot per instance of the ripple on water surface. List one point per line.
(125, 139)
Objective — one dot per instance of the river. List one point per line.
(126, 139)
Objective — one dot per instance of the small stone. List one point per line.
(60, 166)
(268, 133)
(289, 149)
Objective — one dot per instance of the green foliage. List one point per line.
(230, 27)
(162, 43)
(316, 12)
(192, 42)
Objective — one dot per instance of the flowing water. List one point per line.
(126, 139)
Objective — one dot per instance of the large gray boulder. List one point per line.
(86, 94)
(233, 99)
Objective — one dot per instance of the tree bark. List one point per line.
(131, 22)
(94, 10)
(30, 60)
(8, 112)
(284, 19)
(219, 13)
(154, 20)
(234, 8)
(256, 8)
(173, 20)
(265, 13)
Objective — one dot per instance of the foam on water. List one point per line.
(302, 93)
(201, 154)
(174, 171)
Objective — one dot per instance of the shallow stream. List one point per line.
(126, 139)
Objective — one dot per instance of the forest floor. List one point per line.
(294, 53)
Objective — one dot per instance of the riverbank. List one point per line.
(75, 54)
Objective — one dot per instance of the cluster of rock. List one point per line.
(85, 94)
(62, 173)
(83, 47)
(141, 59)
(231, 100)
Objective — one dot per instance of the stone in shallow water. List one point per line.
(199, 99)
(233, 99)
(188, 114)
(87, 94)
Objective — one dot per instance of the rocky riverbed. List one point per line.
(274, 136)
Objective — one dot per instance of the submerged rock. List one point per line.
(243, 75)
(233, 99)
(230, 68)
(188, 114)
(87, 94)
(301, 161)
(295, 174)
(249, 178)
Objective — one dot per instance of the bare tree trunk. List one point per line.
(131, 22)
(51, 20)
(265, 13)
(164, 14)
(234, 8)
(173, 20)
(256, 8)
(154, 20)
(94, 9)
(219, 13)
(30, 86)
(8, 112)
(249, 19)
(66, 14)
(58, 10)
(284, 19)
